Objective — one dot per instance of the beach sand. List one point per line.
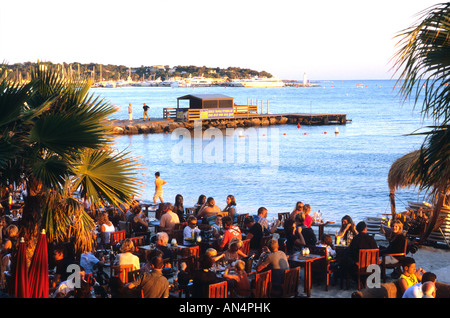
(436, 260)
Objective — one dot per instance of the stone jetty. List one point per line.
(159, 125)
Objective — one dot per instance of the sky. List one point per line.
(327, 39)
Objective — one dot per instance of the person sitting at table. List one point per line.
(254, 234)
(190, 230)
(153, 284)
(274, 259)
(231, 208)
(200, 203)
(105, 228)
(212, 252)
(397, 241)
(361, 241)
(238, 281)
(62, 263)
(410, 275)
(67, 288)
(230, 232)
(233, 253)
(208, 212)
(178, 207)
(298, 209)
(162, 239)
(149, 255)
(308, 219)
(415, 291)
(126, 257)
(261, 218)
(4, 223)
(307, 232)
(202, 278)
(136, 220)
(168, 219)
(217, 227)
(90, 262)
(347, 229)
(11, 240)
(327, 241)
(293, 242)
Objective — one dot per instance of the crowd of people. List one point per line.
(271, 244)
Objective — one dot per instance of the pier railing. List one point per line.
(193, 114)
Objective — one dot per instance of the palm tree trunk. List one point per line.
(392, 200)
(30, 224)
(436, 212)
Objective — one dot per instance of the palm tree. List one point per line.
(53, 135)
(423, 63)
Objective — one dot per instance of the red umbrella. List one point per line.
(38, 272)
(21, 287)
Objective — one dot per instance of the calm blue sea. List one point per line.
(275, 167)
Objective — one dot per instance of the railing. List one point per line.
(193, 114)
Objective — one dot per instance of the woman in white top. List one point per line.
(127, 257)
(105, 227)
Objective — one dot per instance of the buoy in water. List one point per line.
(336, 130)
(304, 133)
(298, 125)
(284, 134)
(325, 132)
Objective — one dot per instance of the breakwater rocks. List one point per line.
(126, 127)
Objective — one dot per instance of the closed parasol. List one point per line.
(38, 272)
(21, 286)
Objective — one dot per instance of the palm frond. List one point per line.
(102, 175)
(423, 62)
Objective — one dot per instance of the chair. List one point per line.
(391, 266)
(218, 290)
(138, 240)
(265, 239)
(125, 226)
(282, 216)
(121, 271)
(179, 226)
(366, 257)
(262, 284)
(245, 248)
(290, 283)
(241, 220)
(132, 275)
(116, 237)
(191, 251)
(178, 235)
(322, 265)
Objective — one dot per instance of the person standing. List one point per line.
(146, 108)
(158, 188)
(130, 112)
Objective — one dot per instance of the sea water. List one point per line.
(336, 173)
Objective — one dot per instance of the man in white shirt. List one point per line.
(190, 230)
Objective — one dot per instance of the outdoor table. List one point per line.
(305, 261)
(154, 224)
(321, 226)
